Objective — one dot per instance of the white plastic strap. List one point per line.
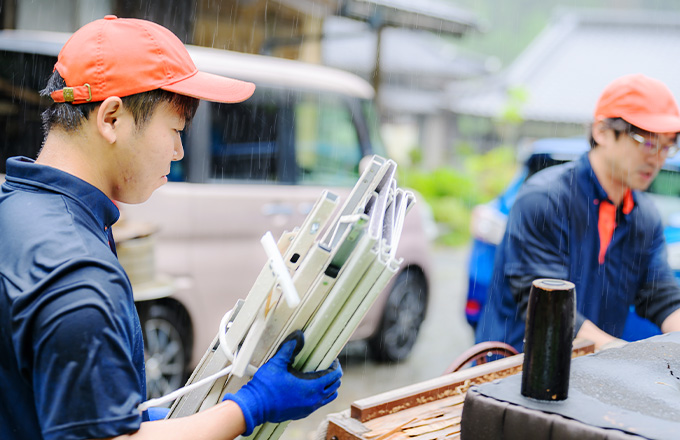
(206, 380)
(280, 270)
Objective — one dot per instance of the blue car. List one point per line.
(489, 220)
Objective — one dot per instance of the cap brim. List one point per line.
(211, 87)
(660, 123)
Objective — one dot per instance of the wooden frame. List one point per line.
(437, 403)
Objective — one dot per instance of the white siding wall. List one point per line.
(60, 15)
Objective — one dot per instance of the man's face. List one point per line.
(147, 154)
(634, 159)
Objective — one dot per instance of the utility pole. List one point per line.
(377, 73)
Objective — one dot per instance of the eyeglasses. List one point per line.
(653, 146)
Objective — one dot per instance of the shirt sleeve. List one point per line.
(660, 293)
(537, 238)
(80, 364)
(536, 246)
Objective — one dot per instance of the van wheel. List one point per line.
(404, 313)
(168, 340)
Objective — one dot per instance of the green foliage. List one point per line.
(454, 215)
(512, 110)
(492, 171)
(453, 192)
(415, 156)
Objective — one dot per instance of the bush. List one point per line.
(453, 192)
(454, 215)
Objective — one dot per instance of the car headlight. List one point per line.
(488, 224)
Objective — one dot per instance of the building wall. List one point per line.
(59, 15)
(485, 133)
(176, 15)
(251, 26)
(257, 26)
(8, 14)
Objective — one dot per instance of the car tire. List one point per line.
(403, 314)
(168, 341)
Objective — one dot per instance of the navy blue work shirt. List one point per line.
(72, 362)
(552, 232)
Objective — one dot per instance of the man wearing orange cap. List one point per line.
(589, 222)
(72, 363)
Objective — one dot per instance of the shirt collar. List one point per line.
(24, 171)
(591, 186)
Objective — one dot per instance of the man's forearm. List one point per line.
(221, 422)
(257, 402)
(593, 333)
(671, 323)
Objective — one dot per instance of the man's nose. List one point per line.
(179, 151)
(656, 160)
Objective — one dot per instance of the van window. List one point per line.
(283, 136)
(327, 148)
(22, 75)
(244, 139)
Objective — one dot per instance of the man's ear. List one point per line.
(600, 131)
(108, 118)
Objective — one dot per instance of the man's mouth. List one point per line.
(647, 175)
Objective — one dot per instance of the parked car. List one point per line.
(193, 248)
(489, 221)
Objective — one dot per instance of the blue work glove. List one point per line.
(157, 413)
(278, 392)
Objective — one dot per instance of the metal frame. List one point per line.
(339, 261)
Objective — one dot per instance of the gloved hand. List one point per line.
(278, 392)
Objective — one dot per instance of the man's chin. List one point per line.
(641, 187)
(143, 196)
(136, 199)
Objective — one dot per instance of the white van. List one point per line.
(249, 168)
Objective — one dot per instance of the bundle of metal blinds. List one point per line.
(321, 278)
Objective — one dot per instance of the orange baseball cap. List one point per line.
(645, 102)
(123, 56)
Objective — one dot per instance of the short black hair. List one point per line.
(69, 116)
(619, 126)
